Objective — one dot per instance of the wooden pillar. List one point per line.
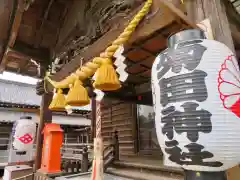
(45, 116)
(215, 11)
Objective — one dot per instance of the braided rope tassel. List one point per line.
(90, 68)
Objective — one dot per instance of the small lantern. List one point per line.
(196, 93)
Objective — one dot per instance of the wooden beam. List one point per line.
(39, 54)
(71, 28)
(40, 30)
(234, 20)
(145, 99)
(231, 12)
(25, 53)
(171, 5)
(215, 10)
(23, 66)
(143, 88)
(15, 54)
(62, 20)
(163, 14)
(235, 33)
(13, 33)
(21, 110)
(16, 24)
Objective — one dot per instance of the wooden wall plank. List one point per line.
(120, 117)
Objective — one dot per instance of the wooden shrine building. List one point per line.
(59, 36)
(20, 99)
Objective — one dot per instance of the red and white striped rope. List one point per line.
(98, 119)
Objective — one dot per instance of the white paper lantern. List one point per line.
(196, 93)
(24, 134)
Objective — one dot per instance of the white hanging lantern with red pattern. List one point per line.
(24, 134)
(196, 93)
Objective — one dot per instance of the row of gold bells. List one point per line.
(106, 76)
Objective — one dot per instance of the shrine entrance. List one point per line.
(147, 138)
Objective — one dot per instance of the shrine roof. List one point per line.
(19, 93)
(22, 95)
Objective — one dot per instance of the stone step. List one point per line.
(137, 174)
(87, 176)
(148, 167)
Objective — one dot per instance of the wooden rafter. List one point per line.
(62, 19)
(13, 33)
(40, 31)
(23, 66)
(39, 54)
(26, 53)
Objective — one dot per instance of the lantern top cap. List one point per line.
(186, 35)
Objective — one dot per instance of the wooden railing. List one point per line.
(111, 152)
(26, 177)
(81, 136)
(77, 158)
(41, 176)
